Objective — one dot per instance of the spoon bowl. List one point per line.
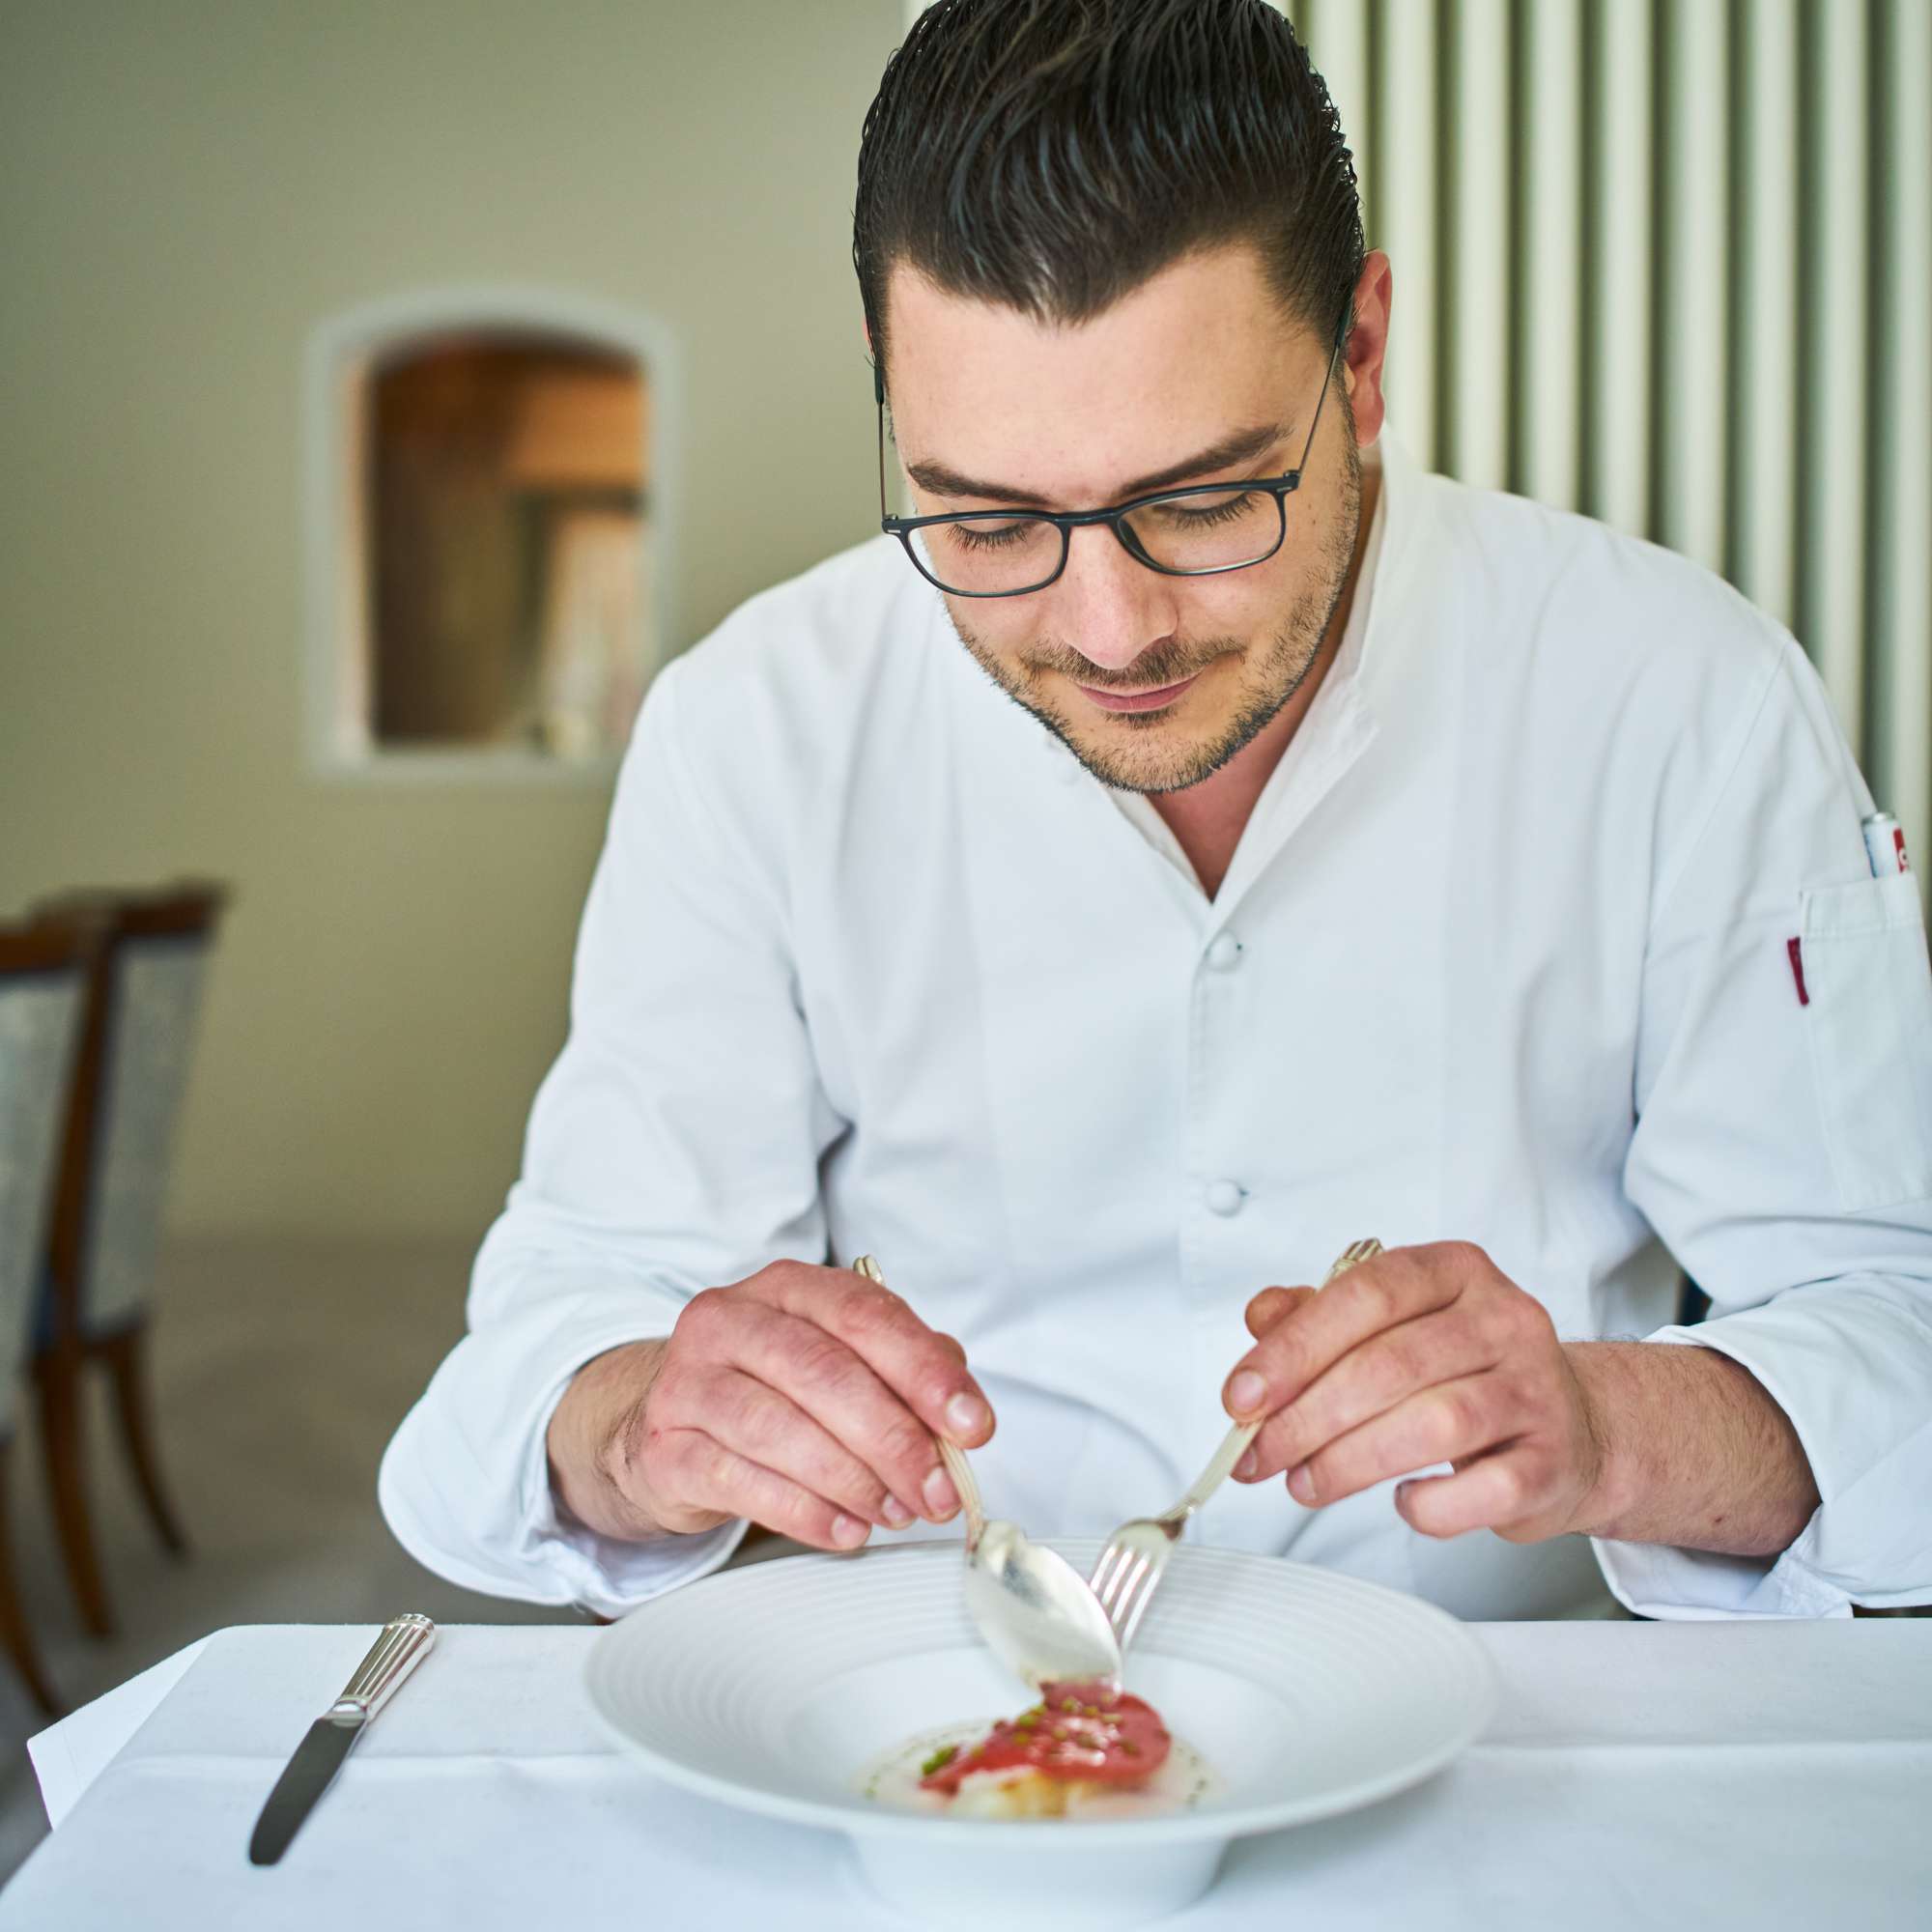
(1036, 1614)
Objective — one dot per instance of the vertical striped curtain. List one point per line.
(1669, 263)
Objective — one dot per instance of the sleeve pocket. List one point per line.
(1869, 1018)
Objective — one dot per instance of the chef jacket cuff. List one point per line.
(609, 1576)
(466, 1488)
(1663, 1582)
(1658, 1580)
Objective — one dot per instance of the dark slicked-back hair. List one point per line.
(1052, 155)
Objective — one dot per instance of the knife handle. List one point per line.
(404, 1644)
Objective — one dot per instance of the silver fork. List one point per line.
(1137, 1552)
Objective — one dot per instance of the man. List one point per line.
(1299, 849)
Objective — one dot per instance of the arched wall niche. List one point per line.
(491, 542)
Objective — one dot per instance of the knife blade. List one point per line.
(404, 1643)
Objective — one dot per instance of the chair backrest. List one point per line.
(44, 978)
(118, 1149)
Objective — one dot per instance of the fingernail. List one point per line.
(847, 1532)
(1302, 1485)
(1248, 1464)
(1247, 1392)
(966, 1415)
(942, 1500)
(895, 1513)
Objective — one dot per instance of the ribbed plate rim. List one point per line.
(1476, 1698)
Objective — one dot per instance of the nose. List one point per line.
(1109, 606)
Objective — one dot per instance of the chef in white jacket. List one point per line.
(1104, 916)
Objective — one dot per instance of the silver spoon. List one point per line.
(1034, 1609)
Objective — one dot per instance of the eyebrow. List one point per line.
(1243, 445)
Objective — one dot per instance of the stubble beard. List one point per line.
(1288, 658)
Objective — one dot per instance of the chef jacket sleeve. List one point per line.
(1783, 1151)
(673, 1146)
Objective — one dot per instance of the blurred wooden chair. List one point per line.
(117, 1149)
(43, 978)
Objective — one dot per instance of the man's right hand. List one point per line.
(805, 1398)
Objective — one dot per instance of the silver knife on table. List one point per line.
(404, 1644)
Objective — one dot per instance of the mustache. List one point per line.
(1170, 661)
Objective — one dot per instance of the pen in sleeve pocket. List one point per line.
(1885, 844)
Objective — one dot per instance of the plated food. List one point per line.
(1084, 1750)
(1309, 1692)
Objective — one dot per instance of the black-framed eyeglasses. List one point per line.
(1200, 530)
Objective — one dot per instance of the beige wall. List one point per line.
(185, 191)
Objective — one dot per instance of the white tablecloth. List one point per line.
(1760, 1774)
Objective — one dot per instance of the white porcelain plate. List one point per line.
(771, 1687)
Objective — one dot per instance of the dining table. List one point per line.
(1758, 1773)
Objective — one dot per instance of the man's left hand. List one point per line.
(1421, 1355)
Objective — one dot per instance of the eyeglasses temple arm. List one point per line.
(1329, 383)
(884, 513)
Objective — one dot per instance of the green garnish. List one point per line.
(939, 1760)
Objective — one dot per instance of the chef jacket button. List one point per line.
(1224, 1197)
(1224, 952)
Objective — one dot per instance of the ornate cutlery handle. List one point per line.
(954, 1458)
(961, 1472)
(405, 1642)
(1237, 1442)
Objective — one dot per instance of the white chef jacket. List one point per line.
(1509, 952)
